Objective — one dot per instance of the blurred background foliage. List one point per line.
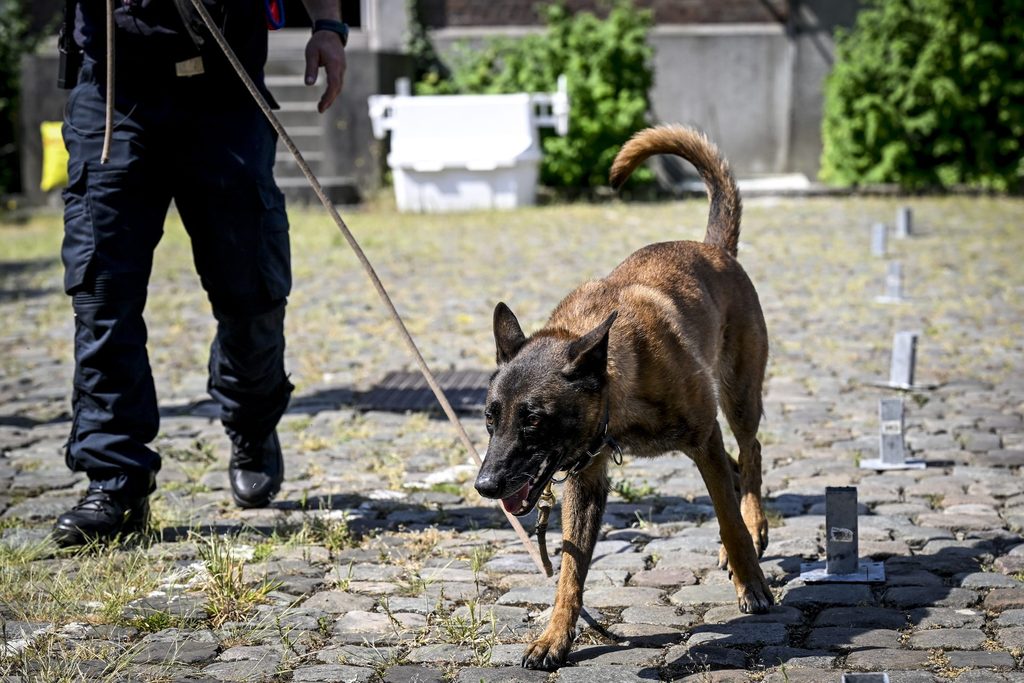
(928, 94)
(18, 37)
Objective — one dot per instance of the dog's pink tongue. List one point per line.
(513, 502)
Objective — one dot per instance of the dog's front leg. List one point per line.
(583, 504)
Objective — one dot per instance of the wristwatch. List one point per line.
(339, 27)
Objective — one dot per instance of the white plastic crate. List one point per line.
(466, 152)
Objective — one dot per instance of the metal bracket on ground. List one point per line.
(891, 447)
(901, 366)
(841, 563)
(893, 285)
(865, 678)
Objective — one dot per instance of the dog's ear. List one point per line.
(588, 355)
(508, 335)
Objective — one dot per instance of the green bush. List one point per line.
(928, 93)
(607, 63)
(15, 41)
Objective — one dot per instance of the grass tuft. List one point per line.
(230, 597)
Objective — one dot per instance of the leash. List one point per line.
(540, 529)
(365, 262)
(108, 125)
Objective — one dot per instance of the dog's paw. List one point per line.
(755, 597)
(548, 652)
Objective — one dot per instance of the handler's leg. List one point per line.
(235, 216)
(113, 220)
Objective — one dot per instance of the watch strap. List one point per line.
(339, 27)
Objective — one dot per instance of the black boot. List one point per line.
(101, 516)
(256, 472)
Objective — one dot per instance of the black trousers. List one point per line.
(174, 138)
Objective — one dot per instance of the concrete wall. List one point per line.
(731, 81)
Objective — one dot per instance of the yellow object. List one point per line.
(55, 157)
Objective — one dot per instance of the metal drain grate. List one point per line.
(407, 391)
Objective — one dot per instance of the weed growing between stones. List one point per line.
(775, 518)
(477, 629)
(154, 621)
(230, 597)
(331, 532)
(413, 584)
(344, 582)
(632, 492)
(480, 556)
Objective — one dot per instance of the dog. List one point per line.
(643, 359)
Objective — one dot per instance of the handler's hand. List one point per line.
(324, 49)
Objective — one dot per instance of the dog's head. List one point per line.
(544, 407)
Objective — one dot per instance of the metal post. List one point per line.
(890, 433)
(842, 564)
(878, 235)
(894, 281)
(403, 86)
(904, 222)
(891, 445)
(841, 547)
(873, 677)
(904, 355)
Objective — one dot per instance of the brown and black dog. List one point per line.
(643, 358)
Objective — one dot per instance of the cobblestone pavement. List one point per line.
(379, 562)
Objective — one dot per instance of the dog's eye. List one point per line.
(533, 420)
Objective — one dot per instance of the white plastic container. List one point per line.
(467, 152)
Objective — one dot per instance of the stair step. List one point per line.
(284, 80)
(298, 118)
(311, 156)
(339, 189)
(292, 105)
(305, 131)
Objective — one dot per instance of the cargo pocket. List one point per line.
(275, 250)
(79, 238)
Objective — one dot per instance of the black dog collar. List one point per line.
(597, 444)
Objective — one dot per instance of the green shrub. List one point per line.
(607, 63)
(928, 93)
(15, 41)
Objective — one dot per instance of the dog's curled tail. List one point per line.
(692, 145)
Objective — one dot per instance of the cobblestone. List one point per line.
(384, 564)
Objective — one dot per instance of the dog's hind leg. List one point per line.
(742, 377)
(583, 502)
(752, 591)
